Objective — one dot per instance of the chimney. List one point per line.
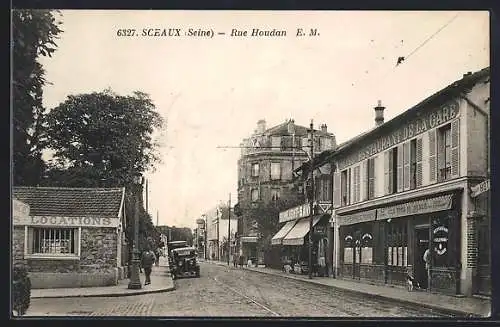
(379, 113)
(324, 128)
(291, 126)
(261, 126)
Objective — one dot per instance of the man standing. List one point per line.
(147, 260)
(427, 260)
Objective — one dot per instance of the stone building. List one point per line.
(419, 181)
(217, 222)
(69, 237)
(265, 176)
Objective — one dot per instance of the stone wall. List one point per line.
(18, 245)
(98, 249)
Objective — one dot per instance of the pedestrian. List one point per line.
(157, 256)
(147, 260)
(427, 260)
(235, 260)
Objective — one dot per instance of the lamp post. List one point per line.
(135, 281)
(311, 201)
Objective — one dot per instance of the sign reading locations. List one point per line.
(68, 221)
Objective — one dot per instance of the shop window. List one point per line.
(345, 186)
(255, 195)
(275, 170)
(367, 248)
(397, 244)
(255, 170)
(53, 241)
(348, 248)
(444, 152)
(441, 244)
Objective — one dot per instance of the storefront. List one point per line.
(294, 239)
(70, 237)
(383, 244)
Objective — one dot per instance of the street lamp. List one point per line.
(135, 281)
(311, 200)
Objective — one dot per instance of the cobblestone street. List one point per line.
(222, 291)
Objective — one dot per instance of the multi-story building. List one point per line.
(218, 225)
(419, 181)
(265, 175)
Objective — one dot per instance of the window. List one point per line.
(326, 143)
(370, 187)
(444, 152)
(326, 189)
(345, 184)
(255, 170)
(255, 195)
(275, 170)
(305, 143)
(397, 245)
(275, 194)
(356, 184)
(53, 241)
(413, 164)
(275, 143)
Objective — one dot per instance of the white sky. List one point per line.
(213, 91)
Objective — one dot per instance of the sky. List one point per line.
(212, 90)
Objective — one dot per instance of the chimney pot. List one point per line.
(324, 128)
(291, 126)
(261, 126)
(379, 113)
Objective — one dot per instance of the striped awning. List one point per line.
(276, 240)
(249, 239)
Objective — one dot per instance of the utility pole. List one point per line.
(157, 217)
(229, 231)
(147, 199)
(218, 249)
(311, 201)
(205, 238)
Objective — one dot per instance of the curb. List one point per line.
(379, 296)
(139, 292)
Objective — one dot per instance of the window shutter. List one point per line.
(432, 156)
(400, 167)
(371, 180)
(364, 181)
(406, 174)
(358, 183)
(387, 189)
(418, 160)
(336, 189)
(455, 142)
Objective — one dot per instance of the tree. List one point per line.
(104, 140)
(33, 35)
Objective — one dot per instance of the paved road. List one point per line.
(222, 291)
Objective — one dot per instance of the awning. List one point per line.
(276, 240)
(296, 235)
(249, 239)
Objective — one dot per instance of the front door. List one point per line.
(422, 244)
(357, 255)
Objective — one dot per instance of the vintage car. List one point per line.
(172, 246)
(184, 262)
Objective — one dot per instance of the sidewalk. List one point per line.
(467, 306)
(161, 282)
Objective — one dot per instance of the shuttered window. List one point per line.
(444, 153)
(357, 178)
(336, 189)
(455, 150)
(406, 168)
(418, 162)
(400, 168)
(432, 156)
(364, 181)
(371, 178)
(346, 186)
(276, 143)
(275, 170)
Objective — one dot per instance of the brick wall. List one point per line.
(472, 249)
(98, 249)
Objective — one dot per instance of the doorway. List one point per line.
(422, 244)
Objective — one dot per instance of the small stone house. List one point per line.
(69, 237)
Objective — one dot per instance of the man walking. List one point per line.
(147, 260)
(427, 260)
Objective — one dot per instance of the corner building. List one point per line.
(405, 186)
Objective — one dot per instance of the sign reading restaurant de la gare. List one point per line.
(406, 131)
(419, 207)
(62, 221)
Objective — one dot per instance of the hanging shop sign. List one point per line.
(320, 230)
(439, 203)
(440, 238)
(357, 217)
(294, 213)
(480, 188)
(407, 130)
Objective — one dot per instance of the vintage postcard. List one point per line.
(251, 163)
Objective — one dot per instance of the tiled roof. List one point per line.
(282, 129)
(71, 202)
